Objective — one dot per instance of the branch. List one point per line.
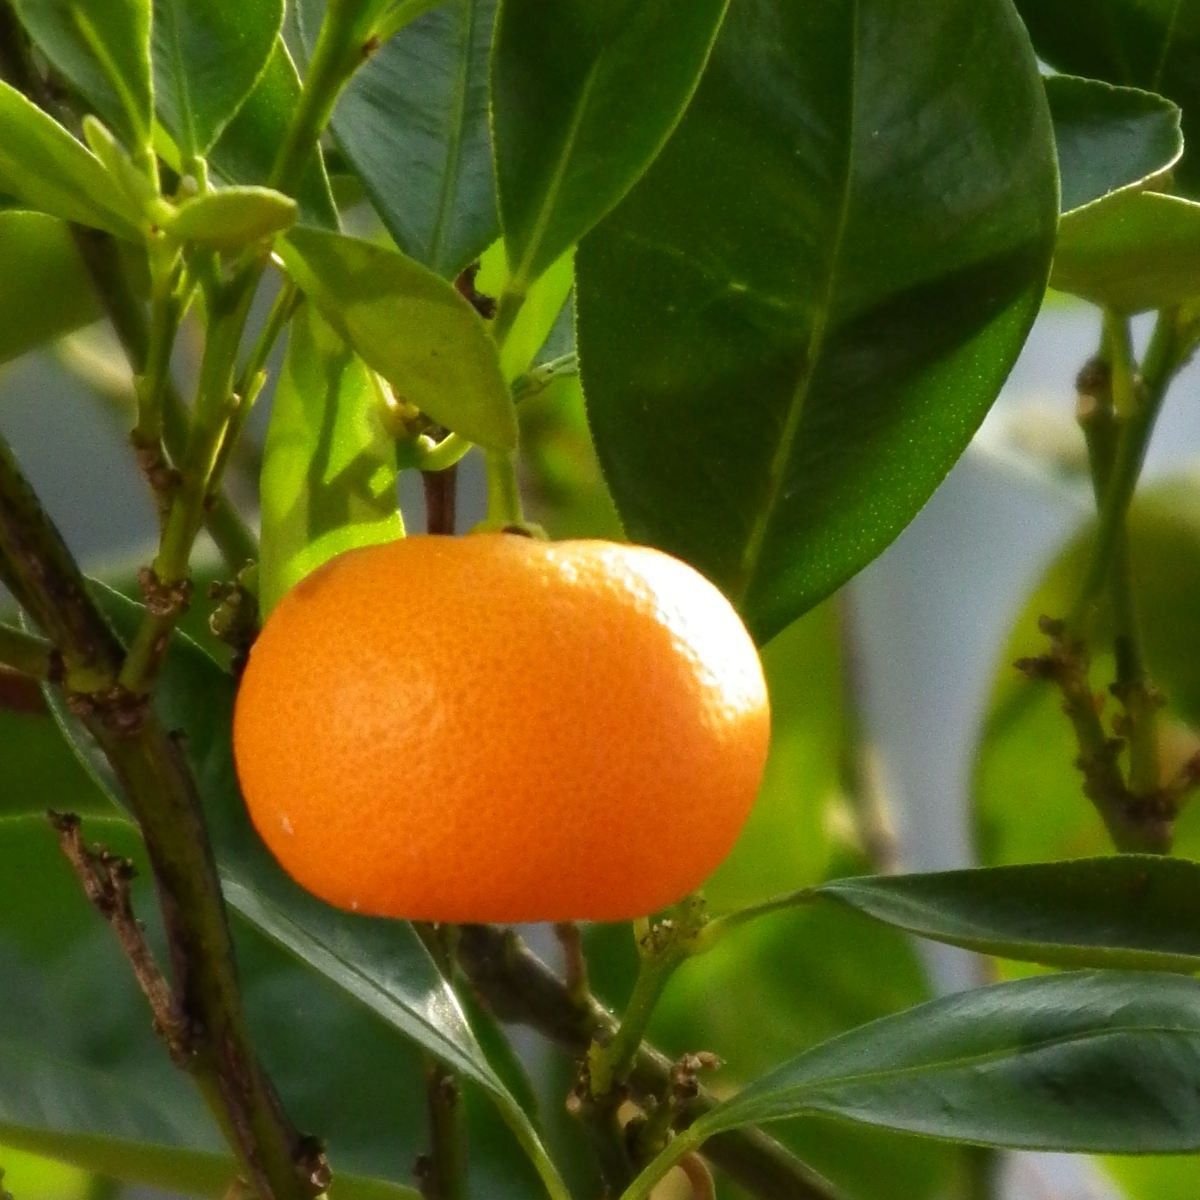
(518, 987)
(106, 879)
(161, 790)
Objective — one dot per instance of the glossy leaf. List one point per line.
(1109, 138)
(1136, 251)
(380, 963)
(208, 55)
(791, 327)
(46, 168)
(245, 152)
(1130, 911)
(413, 328)
(814, 974)
(1103, 1061)
(35, 247)
(564, 78)
(233, 217)
(414, 123)
(329, 464)
(103, 48)
(1148, 44)
(1027, 749)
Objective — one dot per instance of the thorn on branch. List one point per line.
(106, 879)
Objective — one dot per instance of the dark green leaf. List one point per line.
(49, 293)
(791, 327)
(1130, 911)
(814, 973)
(568, 76)
(1149, 44)
(103, 48)
(208, 54)
(46, 168)
(1103, 1061)
(1109, 138)
(1135, 251)
(414, 124)
(233, 217)
(1029, 802)
(329, 463)
(40, 772)
(445, 363)
(245, 152)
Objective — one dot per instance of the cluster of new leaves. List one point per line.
(806, 242)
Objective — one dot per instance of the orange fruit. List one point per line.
(497, 728)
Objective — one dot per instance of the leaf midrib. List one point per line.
(777, 469)
(959, 1062)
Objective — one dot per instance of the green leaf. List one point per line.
(1109, 138)
(1136, 912)
(1149, 44)
(565, 77)
(792, 325)
(544, 303)
(233, 217)
(46, 168)
(381, 964)
(413, 328)
(814, 973)
(208, 54)
(329, 463)
(40, 772)
(245, 152)
(413, 122)
(37, 247)
(1088, 1061)
(103, 48)
(1027, 749)
(1135, 251)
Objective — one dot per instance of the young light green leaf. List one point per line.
(329, 464)
(38, 251)
(413, 122)
(1089, 1061)
(245, 151)
(568, 76)
(103, 48)
(1109, 138)
(1137, 912)
(413, 328)
(233, 217)
(208, 54)
(790, 328)
(1148, 44)
(46, 168)
(1132, 252)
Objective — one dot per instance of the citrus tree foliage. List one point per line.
(735, 279)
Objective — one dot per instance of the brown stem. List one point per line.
(106, 880)
(518, 987)
(161, 791)
(441, 499)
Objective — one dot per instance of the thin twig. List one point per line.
(518, 987)
(106, 880)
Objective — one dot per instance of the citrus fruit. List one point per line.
(498, 728)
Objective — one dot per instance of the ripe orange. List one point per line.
(497, 728)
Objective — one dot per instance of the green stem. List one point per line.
(508, 308)
(342, 46)
(1163, 359)
(504, 493)
(152, 381)
(683, 1144)
(26, 653)
(719, 927)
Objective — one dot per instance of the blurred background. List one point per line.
(918, 654)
